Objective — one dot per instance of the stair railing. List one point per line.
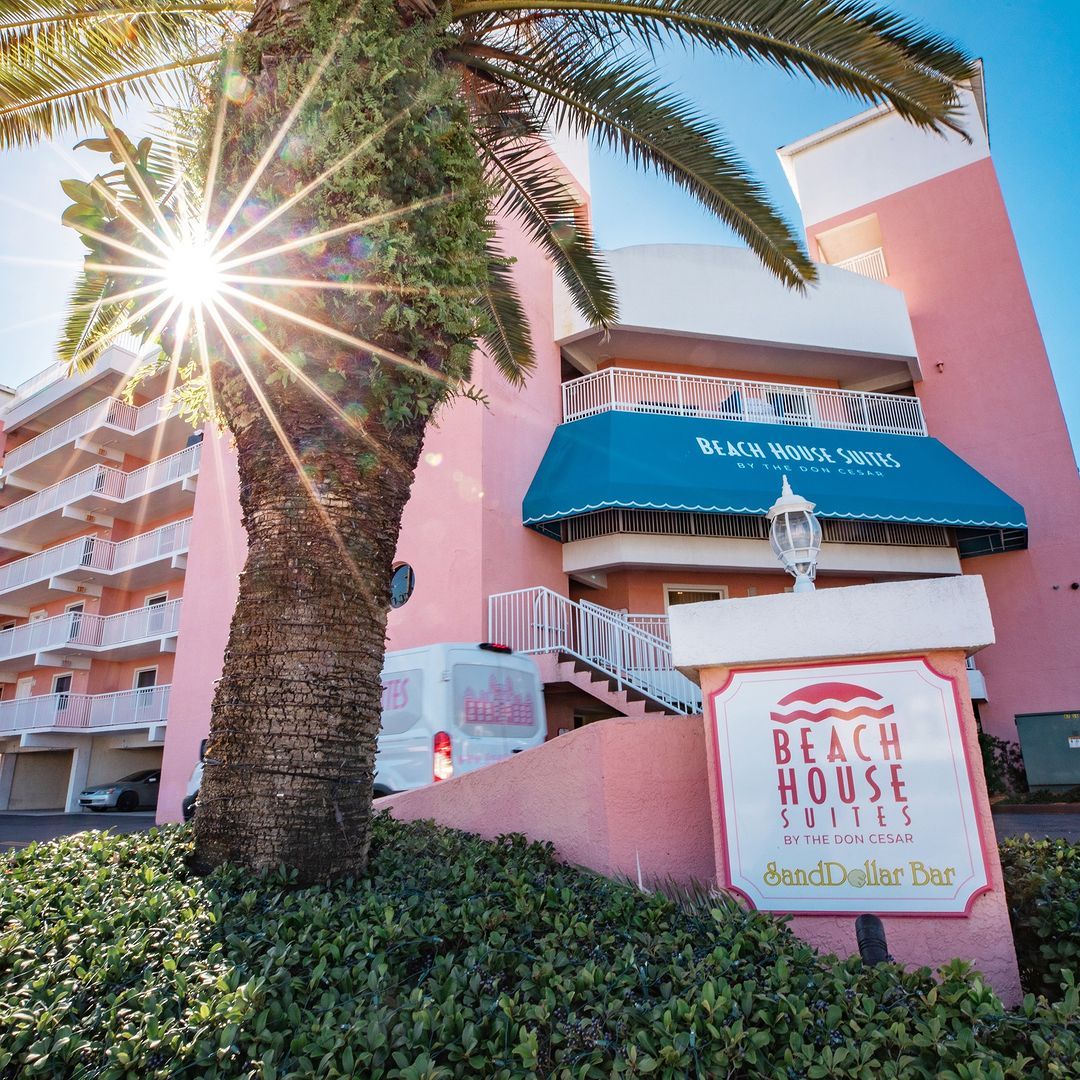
(539, 620)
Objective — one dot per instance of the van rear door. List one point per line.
(403, 760)
(497, 704)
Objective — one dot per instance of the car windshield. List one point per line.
(138, 777)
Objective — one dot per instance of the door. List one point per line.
(497, 708)
(62, 690)
(75, 611)
(155, 617)
(145, 681)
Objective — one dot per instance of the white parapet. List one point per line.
(859, 620)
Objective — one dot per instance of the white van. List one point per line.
(447, 710)
(452, 708)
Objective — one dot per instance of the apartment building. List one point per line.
(95, 516)
(908, 395)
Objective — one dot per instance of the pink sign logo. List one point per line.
(830, 701)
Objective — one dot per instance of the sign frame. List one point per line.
(725, 836)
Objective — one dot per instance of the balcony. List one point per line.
(53, 391)
(107, 429)
(870, 264)
(85, 712)
(71, 639)
(99, 495)
(713, 398)
(717, 308)
(82, 565)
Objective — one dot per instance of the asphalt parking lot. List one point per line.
(19, 830)
(1055, 825)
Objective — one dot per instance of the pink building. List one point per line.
(908, 395)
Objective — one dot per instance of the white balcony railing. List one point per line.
(104, 481)
(55, 372)
(541, 621)
(715, 398)
(127, 708)
(110, 412)
(80, 632)
(93, 553)
(870, 264)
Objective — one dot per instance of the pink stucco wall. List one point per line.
(625, 797)
(215, 558)
(462, 530)
(637, 798)
(988, 393)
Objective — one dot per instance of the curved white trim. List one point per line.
(559, 515)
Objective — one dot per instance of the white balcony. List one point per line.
(83, 565)
(50, 395)
(714, 398)
(108, 430)
(99, 495)
(71, 639)
(85, 712)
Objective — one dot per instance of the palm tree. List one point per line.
(398, 133)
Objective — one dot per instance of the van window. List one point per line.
(495, 701)
(402, 700)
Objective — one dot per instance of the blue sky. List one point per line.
(1031, 68)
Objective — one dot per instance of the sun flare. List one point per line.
(193, 274)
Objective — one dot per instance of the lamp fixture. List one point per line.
(795, 536)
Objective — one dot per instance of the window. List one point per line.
(146, 679)
(7, 626)
(693, 594)
(401, 585)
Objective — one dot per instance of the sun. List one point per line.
(193, 275)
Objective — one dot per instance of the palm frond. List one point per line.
(618, 104)
(536, 194)
(851, 45)
(508, 341)
(61, 59)
(91, 323)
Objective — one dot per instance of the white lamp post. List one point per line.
(795, 535)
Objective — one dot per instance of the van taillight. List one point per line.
(443, 758)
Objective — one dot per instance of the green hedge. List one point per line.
(1042, 882)
(458, 958)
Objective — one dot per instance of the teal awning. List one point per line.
(656, 462)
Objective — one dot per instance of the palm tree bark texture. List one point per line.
(328, 431)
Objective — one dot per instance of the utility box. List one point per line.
(1051, 746)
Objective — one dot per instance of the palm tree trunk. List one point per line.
(297, 711)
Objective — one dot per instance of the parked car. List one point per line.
(191, 795)
(135, 792)
(447, 710)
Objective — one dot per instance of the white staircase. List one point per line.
(632, 653)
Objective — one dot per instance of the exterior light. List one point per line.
(795, 535)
